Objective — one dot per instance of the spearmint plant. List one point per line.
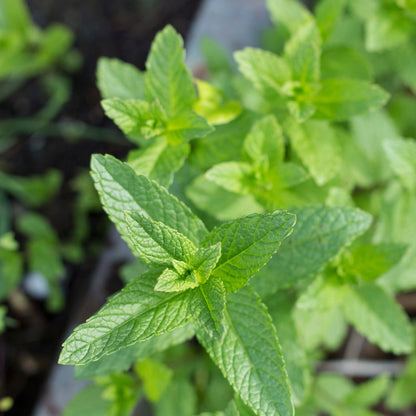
(268, 210)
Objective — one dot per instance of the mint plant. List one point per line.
(288, 218)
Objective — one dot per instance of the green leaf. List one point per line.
(369, 393)
(402, 156)
(247, 244)
(173, 281)
(258, 375)
(377, 316)
(340, 99)
(168, 81)
(135, 117)
(158, 161)
(386, 29)
(232, 176)
(303, 54)
(402, 394)
(238, 408)
(34, 190)
(155, 377)
(15, 17)
(289, 13)
(120, 190)
(137, 313)
(319, 235)
(118, 79)
(207, 305)
(264, 145)
(186, 126)
(124, 358)
(316, 144)
(205, 260)
(368, 262)
(11, 269)
(88, 401)
(264, 69)
(328, 13)
(156, 242)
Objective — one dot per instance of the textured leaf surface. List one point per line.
(155, 242)
(122, 190)
(232, 176)
(247, 244)
(340, 99)
(167, 79)
(249, 355)
(118, 79)
(137, 313)
(377, 316)
(171, 281)
(124, 358)
(318, 236)
(207, 306)
(159, 161)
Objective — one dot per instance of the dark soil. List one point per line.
(122, 29)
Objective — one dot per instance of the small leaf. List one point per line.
(258, 375)
(118, 79)
(328, 13)
(168, 81)
(171, 281)
(377, 316)
(247, 244)
(137, 313)
(290, 13)
(340, 99)
(207, 304)
(156, 242)
(205, 260)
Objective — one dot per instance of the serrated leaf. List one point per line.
(319, 235)
(137, 313)
(124, 358)
(205, 260)
(118, 79)
(258, 375)
(247, 244)
(167, 79)
(264, 69)
(120, 190)
(340, 99)
(207, 303)
(265, 143)
(135, 117)
(233, 176)
(316, 144)
(290, 13)
(156, 242)
(303, 53)
(377, 316)
(158, 161)
(172, 281)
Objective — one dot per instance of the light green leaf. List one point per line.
(205, 260)
(264, 145)
(319, 235)
(387, 29)
(186, 126)
(207, 303)
(340, 99)
(303, 54)
(369, 393)
(122, 190)
(289, 174)
(137, 313)
(118, 79)
(264, 69)
(155, 377)
(402, 394)
(247, 244)
(238, 408)
(168, 81)
(124, 358)
(15, 17)
(316, 144)
(173, 281)
(156, 242)
(328, 13)
(258, 375)
(289, 13)
(377, 316)
(402, 156)
(135, 117)
(88, 401)
(233, 176)
(158, 161)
